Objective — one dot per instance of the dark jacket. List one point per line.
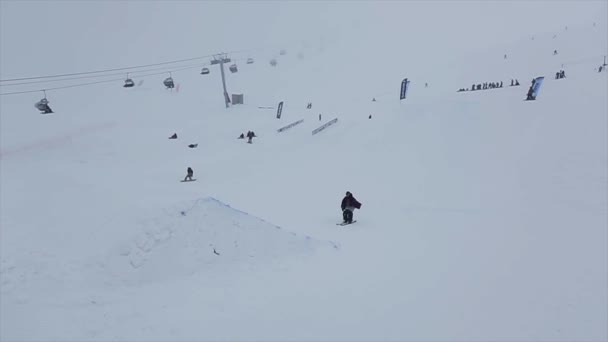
(350, 201)
(190, 172)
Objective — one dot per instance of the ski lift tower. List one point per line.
(220, 59)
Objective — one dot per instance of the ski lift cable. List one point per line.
(63, 87)
(97, 82)
(118, 69)
(132, 74)
(121, 69)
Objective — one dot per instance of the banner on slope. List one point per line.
(280, 110)
(537, 83)
(404, 85)
(534, 88)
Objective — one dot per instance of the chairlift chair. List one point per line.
(43, 106)
(168, 82)
(273, 62)
(233, 68)
(249, 60)
(205, 71)
(129, 83)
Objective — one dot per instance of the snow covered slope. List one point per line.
(484, 217)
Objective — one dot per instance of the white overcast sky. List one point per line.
(45, 37)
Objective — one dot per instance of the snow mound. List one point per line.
(200, 236)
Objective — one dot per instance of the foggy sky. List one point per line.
(46, 37)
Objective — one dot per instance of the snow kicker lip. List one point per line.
(207, 233)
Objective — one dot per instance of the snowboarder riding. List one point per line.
(349, 204)
(189, 175)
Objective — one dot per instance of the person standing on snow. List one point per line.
(349, 204)
(250, 135)
(530, 95)
(189, 175)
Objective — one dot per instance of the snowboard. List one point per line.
(183, 180)
(345, 224)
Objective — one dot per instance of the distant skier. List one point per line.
(516, 82)
(189, 175)
(319, 117)
(349, 204)
(530, 95)
(174, 136)
(242, 136)
(370, 116)
(250, 136)
(193, 145)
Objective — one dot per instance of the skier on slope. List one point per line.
(250, 135)
(189, 175)
(349, 204)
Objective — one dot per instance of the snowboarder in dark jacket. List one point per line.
(250, 136)
(530, 95)
(189, 175)
(349, 204)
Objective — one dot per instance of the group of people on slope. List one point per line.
(250, 135)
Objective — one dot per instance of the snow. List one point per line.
(484, 217)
